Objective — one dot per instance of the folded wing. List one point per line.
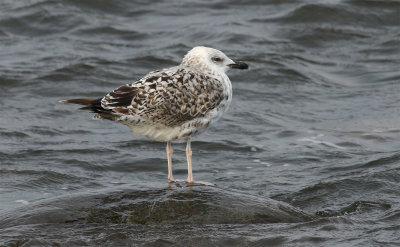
(169, 97)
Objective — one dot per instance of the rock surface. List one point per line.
(175, 204)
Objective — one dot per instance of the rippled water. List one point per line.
(313, 123)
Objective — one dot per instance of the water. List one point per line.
(314, 123)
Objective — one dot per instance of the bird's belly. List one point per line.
(156, 132)
(163, 133)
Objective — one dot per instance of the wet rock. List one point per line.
(157, 204)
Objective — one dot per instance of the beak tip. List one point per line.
(239, 65)
(244, 65)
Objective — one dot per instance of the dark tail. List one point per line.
(89, 104)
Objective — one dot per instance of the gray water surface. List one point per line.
(314, 123)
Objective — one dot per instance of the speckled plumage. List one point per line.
(180, 99)
(174, 103)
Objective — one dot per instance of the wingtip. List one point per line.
(63, 101)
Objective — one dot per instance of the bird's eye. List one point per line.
(216, 59)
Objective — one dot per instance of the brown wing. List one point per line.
(168, 97)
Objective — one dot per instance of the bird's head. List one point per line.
(205, 58)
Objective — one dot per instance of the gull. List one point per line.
(174, 103)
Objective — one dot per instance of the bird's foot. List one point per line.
(189, 182)
(199, 183)
(175, 180)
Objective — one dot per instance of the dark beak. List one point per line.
(239, 65)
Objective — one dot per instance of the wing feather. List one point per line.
(169, 97)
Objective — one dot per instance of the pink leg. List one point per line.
(170, 151)
(189, 161)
